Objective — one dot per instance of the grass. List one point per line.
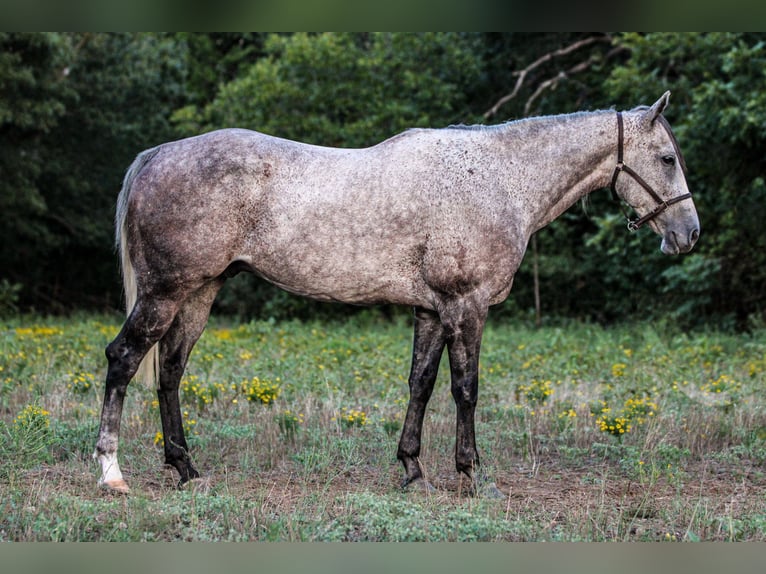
(627, 433)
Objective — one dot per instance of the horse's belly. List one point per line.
(339, 277)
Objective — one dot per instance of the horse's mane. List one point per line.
(483, 127)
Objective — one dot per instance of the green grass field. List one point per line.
(626, 433)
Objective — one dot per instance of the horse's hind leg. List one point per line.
(146, 324)
(175, 348)
(427, 350)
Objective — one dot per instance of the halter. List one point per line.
(662, 204)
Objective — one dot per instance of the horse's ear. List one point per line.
(658, 107)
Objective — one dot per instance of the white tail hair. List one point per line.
(149, 369)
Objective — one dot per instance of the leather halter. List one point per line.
(662, 204)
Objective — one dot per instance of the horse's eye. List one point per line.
(668, 159)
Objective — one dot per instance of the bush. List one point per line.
(9, 297)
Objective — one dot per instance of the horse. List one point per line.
(435, 219)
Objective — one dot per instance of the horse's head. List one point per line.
(656, 187)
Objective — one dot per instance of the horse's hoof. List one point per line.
(118, 486)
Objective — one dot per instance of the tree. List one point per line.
(34, 95)
(213, 59)
(80, 107)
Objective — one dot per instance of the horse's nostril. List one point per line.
(694, 235)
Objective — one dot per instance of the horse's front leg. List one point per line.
(427, 350)
(464, 323)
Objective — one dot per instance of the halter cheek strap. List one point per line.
(662, 204)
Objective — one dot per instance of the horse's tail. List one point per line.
(149, 368)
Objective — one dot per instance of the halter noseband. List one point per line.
(662, 204)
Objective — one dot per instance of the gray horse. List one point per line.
(438, 219)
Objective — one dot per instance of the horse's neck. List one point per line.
(566, 158)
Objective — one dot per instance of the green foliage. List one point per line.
(75, 110)
(34, 95)
(26, 442)
(217, 58)
(349, 90)
(374, 518)
(9, 297)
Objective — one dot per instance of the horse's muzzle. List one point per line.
(675, 242)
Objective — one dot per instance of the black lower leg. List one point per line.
(176, 449)
(466, 453)
(463, 344)
(426, 354)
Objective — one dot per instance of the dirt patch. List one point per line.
(702, 500)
